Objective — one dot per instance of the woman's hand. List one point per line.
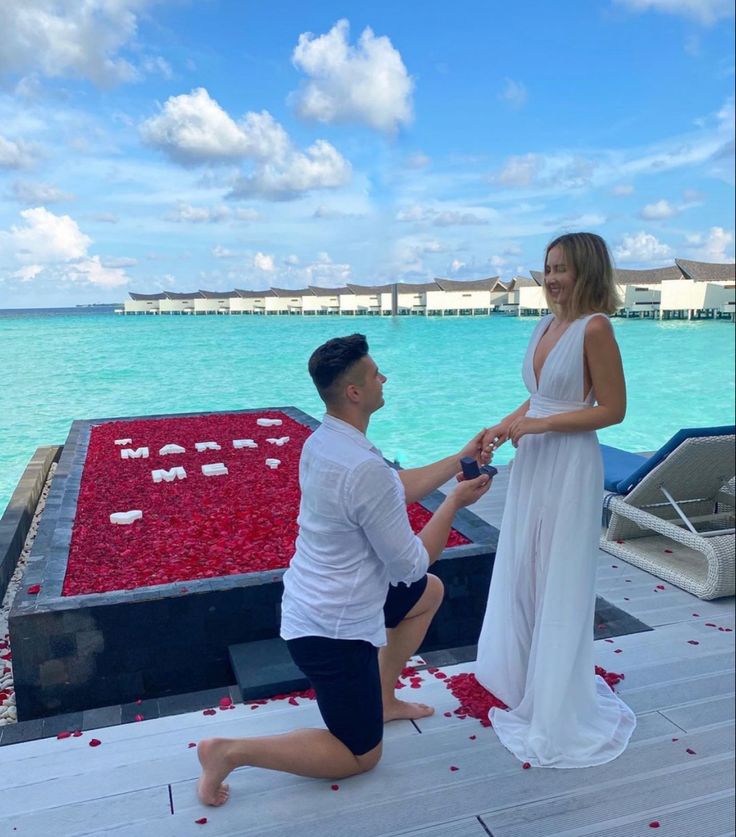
(523, 426)
(493, 438)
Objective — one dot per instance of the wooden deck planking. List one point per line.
(679, 691)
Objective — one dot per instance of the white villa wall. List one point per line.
(176, 306)
(211, 306)
(141, 306)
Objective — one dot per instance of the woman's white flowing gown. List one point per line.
(535, 650)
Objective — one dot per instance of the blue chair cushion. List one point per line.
(618, 465)
(624, 470)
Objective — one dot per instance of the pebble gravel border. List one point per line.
(8, 714)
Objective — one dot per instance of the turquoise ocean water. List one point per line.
(447, 377)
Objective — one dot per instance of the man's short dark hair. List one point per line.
(332, 360)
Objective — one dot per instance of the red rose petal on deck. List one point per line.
(453, 768)
(201, 821)
(94, 742)
(34, 589)
(209, 712)
(709, 625)
(441, 675)
(614, 566)
(693, 642)
(63, 734)
(696, 614)
(139, 717)
(191, 744)
(617, 650)
(293, 701)
(668, 551)
(654, 824)
(472, 737)
(225, 702)
(690, 752)
(447, 714)
(525, 766)
(334, 787)
(77, 733)
(661, 587)
(608, 640)
(675, 739)
(139, 702)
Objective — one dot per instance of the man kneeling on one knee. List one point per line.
(357, 597)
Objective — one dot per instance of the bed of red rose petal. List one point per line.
(199, 527)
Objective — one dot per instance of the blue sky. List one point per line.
(180, 145)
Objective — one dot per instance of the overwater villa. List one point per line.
(684, 290)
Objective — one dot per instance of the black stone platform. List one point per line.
(264, 669)
(76, 653)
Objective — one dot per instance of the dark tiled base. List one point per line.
(609, 621)
(110, 716)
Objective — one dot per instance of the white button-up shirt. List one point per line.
(354, 539)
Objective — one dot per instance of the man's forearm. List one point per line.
(435, 533)
(418, 482)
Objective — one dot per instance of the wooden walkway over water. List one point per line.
(677, 771)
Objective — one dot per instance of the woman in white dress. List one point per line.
(535, 650)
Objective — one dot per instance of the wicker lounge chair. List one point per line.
(674, 514)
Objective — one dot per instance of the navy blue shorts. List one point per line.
(345, 677)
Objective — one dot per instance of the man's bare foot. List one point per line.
(396, 710)
(210, 789)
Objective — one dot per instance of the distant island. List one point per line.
(97, 304)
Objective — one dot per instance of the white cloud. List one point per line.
(514, 93)
(622, 190)
(185, 213)
(119, 261)
(330, 213)
(418, 160)
(105, 217)
(641, 247)
(712, 247)
(93, 271)
(14, 154)
(156, 65)
(366, 83)
(27, 273)
(520, 170)
(52, 246)
(264, 262)
(69, 38)
(321, 166)
(35, 194)
(704, 11)
(192, 129)
(220, 252)
(457, 266)
(658, 211)
(46, 238)
(441, 218)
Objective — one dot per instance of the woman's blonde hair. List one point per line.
(595, 288)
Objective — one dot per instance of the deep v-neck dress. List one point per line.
(535, 650)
